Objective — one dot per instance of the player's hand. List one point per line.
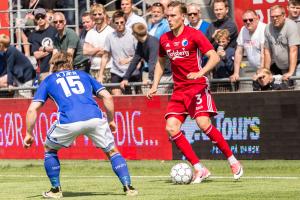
(286, 76)
(28, 140)
(123, 84)
(151, 92)
(194, 75)
(113, 127)
(234, 77)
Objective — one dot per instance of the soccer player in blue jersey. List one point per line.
(78, 113)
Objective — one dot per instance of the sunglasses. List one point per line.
(38, 17)
(58, 22)
(99, 14)
(120, 23)
(157, 5)
(190, 14)
(246, 20)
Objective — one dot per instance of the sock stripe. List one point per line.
(208, 130)
(176, 136)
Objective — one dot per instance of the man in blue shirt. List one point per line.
(78, 113)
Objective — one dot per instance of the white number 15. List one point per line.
(71, 84)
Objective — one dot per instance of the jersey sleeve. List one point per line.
(202, 42)
(41, 94)
(97, 87)
(161, 50)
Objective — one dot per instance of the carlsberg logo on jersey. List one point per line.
(181, 53)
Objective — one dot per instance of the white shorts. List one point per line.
(63, 135)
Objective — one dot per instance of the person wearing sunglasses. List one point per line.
(120, 48)
(251, 40)
(194, 18)
(41, 41)
(281, 44)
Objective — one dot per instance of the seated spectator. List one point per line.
(281, 44)
(224, 69)
(264, 80)
(67, 40)
(158, 24)
(3, 71)
(221, 8)
(42, 42)
(20, 71)
(194, 18)
(120, 46)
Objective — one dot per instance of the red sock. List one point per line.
(217, 138)
(185, 147)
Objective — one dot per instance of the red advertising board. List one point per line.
(140, 130)
(4, 19)
(262, 8)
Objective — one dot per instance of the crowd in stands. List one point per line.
(123, 48)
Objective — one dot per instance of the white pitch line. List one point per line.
(211, 177)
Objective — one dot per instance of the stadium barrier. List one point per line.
(260, 125)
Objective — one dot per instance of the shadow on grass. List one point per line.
(82, 194)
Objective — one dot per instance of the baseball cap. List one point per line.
(40, 11)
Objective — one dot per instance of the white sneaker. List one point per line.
(237, 170)
(130, 191)
(53, 193)
(200, 175)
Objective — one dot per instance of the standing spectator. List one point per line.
(131, 17)
(42, 42)
(191, 94)
(120, 45)
(95, 39)
(20, 71)
(281, 43)
(221, 8)
(68, 41)
(87, 24)
(224, 69)
(3, 71)
(147, 49)
(158, 24)
(264, 80)
(79, 115)
(293, 9)
(194, 17)
(251, 39)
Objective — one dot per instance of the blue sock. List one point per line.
(52, 167)
(119, 166)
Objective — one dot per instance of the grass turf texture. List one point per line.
(91, 179)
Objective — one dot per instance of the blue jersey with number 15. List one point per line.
(72, 91)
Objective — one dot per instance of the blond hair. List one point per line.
(4, 41)
(139, 29)
(224, 33)
(61, 61)
(97, 7)
(264, 70)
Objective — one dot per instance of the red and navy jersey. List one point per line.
(184, 52)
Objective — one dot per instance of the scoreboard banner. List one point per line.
(263, 125)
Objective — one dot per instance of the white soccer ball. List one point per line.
(181, 173)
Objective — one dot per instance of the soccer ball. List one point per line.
(181, 173)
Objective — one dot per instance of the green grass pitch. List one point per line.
(91, 179)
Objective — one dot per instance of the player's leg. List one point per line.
(173, 125)
(204, 123)
(120, 168)
(102, 137)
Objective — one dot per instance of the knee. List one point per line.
(172, 129)
(204, 123)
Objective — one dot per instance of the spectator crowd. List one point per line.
(123, 48)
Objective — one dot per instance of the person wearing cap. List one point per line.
(41, 41)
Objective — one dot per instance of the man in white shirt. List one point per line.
(251, 39)
(131, 17)
(95, 39)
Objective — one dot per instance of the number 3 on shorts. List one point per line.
(199, 99)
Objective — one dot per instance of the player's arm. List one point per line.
(213, 60)
(31, 117)
(109, 107)
(158, 72)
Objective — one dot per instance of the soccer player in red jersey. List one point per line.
(191, 96)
